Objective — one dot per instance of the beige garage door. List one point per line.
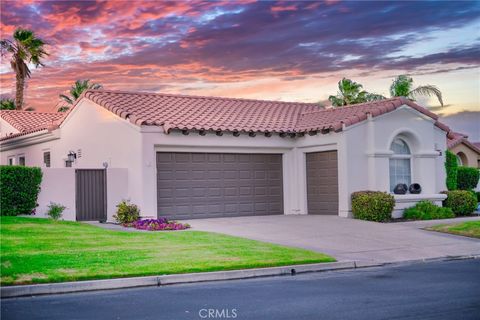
(205, 185)
(322, 182)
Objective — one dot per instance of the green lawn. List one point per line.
(467, 229)
(37, 250)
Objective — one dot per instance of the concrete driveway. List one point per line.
(347, 239)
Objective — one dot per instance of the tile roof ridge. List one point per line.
(197, 96)
(355, 105)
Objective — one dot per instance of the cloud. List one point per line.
(179, 45)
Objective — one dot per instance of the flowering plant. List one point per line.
(159, 224)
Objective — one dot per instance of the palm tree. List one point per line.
(350, 92)
(7, 104)
(25, 48)
(402, 86)
(76, 91)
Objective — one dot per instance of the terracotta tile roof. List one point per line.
(456, 138)
(202, 113)
(336, 118)
(182, 112)
(30, 121)
(242, 115)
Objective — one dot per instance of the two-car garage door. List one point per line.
(202, 185)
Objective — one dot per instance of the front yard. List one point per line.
(37, 250)
(467, 229)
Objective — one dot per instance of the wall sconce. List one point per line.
(71, 156)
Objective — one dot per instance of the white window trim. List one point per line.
(402, 156)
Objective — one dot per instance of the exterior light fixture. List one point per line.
(71, 156)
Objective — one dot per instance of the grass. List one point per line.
(467, 229)
(37, 250)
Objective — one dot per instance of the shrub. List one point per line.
(461, 202)
(127, 212)
(55, 210)
(372, 205)
(426, 210)
(19, 187)
(467, 178)
(451, 167)
(159, 224)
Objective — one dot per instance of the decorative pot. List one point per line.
(400, 188)
(415, 188)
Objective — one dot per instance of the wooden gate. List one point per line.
(91, 194)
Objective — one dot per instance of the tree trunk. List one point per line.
(20, 85)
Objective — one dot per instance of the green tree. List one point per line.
(351, 92)
(7, 104)
(402, 86)
(76, 91)
(24, 48)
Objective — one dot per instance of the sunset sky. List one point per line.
(281, 50)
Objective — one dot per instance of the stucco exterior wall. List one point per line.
(472, 157)
(58, 185)
(367, 148)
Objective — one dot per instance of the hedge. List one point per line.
(467, 178)
(462, 202)
(451, 168)
(19, 187)
(372, 205)
(426, 210)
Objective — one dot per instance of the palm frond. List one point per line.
(427, 90)
(66, 98)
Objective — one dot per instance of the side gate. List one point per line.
(91, 194)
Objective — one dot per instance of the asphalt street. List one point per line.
(435, 290)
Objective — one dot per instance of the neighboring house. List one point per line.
(468, 153)
(195, 157)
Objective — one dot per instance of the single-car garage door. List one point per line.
(322, 182)
(205, 185)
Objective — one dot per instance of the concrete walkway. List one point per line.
(348, 239)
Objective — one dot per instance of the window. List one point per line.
(11, 161)
(459, 160)
(46, 159)
(21, 160)
(400, 164)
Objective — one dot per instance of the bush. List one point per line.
(372, 205)
(127, 212)
(451, 168)
(426, 210)
(461, 202)
(55, 210)
(19, 187)
(467, 178)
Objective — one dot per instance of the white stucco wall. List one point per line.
(58, 185)
(367, 148)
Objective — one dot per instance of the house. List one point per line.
(196, 157)
(468, 153)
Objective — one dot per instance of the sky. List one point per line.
(278, 50)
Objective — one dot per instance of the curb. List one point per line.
(91, 285)
(150, 281)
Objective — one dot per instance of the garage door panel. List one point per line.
(322, 182)
(200, 185)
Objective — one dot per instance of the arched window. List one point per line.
(459, 160)
(400, 163)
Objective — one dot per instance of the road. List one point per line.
(435, 290)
